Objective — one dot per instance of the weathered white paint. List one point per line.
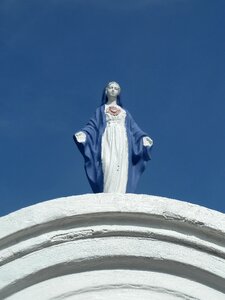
(112, 246)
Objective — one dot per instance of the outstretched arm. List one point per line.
(146, 140)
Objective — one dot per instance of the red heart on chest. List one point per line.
(113, 110)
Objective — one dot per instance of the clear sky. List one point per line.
(55, 58)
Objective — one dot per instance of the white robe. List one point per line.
(114, 153)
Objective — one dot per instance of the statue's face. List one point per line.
(113, 89)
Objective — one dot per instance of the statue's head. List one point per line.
(112, 89)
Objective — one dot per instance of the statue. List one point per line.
(114, 148)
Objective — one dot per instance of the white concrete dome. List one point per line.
(112, 246)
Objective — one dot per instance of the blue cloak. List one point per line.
(138, 154)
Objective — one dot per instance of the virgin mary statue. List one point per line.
(114, 148)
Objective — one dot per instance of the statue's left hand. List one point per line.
(147, 141)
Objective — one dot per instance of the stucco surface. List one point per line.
(112, 246)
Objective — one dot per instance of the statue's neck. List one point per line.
(112, 101)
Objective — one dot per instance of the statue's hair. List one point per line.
(105, 97)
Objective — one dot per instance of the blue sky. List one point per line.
(55, 58)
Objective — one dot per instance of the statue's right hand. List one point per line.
(80, 136)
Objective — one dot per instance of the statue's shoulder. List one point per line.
(98, 116)
(100, 109)
(129, 116)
